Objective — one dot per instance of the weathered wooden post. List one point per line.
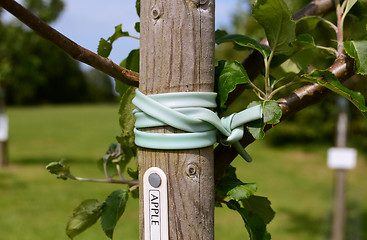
(177, 55)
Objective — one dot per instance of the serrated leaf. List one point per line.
(243, 41)
(254, 224)
(104, 48)
(59, 169)
(234, 188)
(276, 19)
(261, 206)
(272, 112)
(113, 209)
(357, 50)
(227, 76)
(127, 119)
(84, 216)
(330, 81)
(118, 34)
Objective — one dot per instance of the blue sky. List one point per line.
(86, 21)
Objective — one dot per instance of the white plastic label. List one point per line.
(155, 204)
(4, 127)
(342, 158)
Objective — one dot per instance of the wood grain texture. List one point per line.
(177, 55)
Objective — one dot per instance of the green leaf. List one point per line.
(104, 48)
(137, 6)
(243, 41)
(306, 40)
(272, 112)
(357, 50)
(330, 81)
(59, 169)
(133, 173)
(256, 128)
(275, 17)
(242, 192)
(260, 206)
(84, 216)
(350, 4)
(113, 209)
(137, 27)
(254, 224)
(118, 33)
(132, 61)
(234, 188)
(307, 24)
(228, 76)
(219, 34)
(127, 119)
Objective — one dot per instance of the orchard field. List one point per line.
(34, 205)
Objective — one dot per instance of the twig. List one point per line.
(74, 50)
(332, 25)
(119, 172)
(133, 187)
(110, 180)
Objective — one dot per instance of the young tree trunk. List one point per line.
(177, 55)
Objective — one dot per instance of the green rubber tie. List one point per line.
(189, 112)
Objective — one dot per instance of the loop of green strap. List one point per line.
(188, 111)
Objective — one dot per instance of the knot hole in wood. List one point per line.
(193, 171)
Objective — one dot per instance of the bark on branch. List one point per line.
(342, 68)
(74, 50)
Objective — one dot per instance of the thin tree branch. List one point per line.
(70, 47)
(110, 180)
(343, 68)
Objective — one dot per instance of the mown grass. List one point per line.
(35, 206)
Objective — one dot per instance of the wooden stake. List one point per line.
(340, 174)
(177, 55)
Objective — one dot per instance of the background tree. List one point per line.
(32, 70)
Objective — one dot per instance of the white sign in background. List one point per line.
(342, 158)
(4, 127)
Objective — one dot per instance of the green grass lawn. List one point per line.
(34, 205)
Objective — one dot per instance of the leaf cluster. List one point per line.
(255, 211)
(89, 211)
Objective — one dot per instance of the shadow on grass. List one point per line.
(356, 228)
(46, 160)
(303, 223)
